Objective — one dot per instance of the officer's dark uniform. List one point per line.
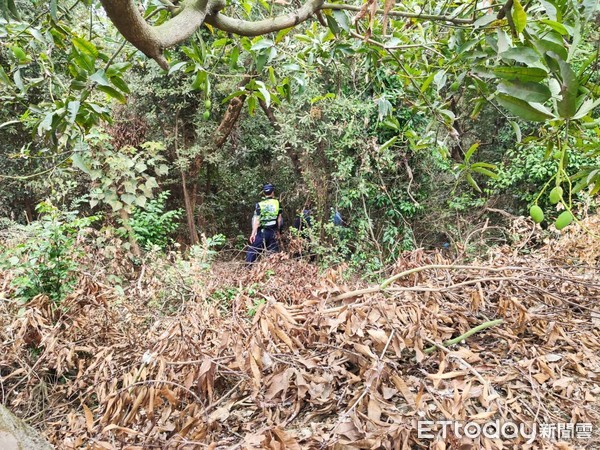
(267, 211)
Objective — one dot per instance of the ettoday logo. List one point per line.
(506, 430)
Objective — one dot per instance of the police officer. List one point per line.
(266, 223)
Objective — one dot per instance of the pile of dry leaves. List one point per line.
(298, 360)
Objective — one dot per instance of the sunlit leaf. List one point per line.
(519, 16)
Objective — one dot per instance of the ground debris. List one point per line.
(307, 360)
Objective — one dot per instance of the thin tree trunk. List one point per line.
(189, 211)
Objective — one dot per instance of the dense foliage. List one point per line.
(415, 122)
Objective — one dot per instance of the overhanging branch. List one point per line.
(192, 14)
(258, 28)
(125, 15)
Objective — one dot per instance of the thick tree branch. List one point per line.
(153, 40)
(248, 28)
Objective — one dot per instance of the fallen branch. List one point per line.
(464, 336)
(384, 285)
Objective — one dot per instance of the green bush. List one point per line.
(46, 262)
(531, 168)
(152, 225)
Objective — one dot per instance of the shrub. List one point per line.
(46, 262)
(152, 225)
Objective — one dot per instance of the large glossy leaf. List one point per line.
(520, 73)
(525, 90)
(544, 46)
(523, 109)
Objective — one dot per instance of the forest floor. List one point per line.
(283, 356)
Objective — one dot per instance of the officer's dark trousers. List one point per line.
(266, 239)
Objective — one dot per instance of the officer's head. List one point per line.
(268, 189)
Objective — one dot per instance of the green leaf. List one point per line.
(520, 73)
(524, 55)
(519, 16)
(472, 182)
(263, 43)
(46, 123)
(162, 169)
(80, 163)
(141, 201)
(504, 41)
(517, 129)
(53, 10)
(523, 109)
(13, 9)
(261, 60)
(251, 104)
(449, 114)
(177, 67)
(471, 150)
(545, 46)
(19, 53)
(525, 90)
(567, 106)
(484, 171)
(99, 77)
(128, 198)
(85, 47)
(4, 77)
(484, 20)
(586, 107)
(120, 84)
(140, 166)
(73, 108)
(342, 19)
(427, 82)
(115, 205)
(199, 80)
(282, 34)
(332, 24)
(112, 92)
(388, 144)
(233, 58)
(556, 26)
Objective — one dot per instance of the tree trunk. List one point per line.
(190, 203)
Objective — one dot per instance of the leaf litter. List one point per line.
(309, 360)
